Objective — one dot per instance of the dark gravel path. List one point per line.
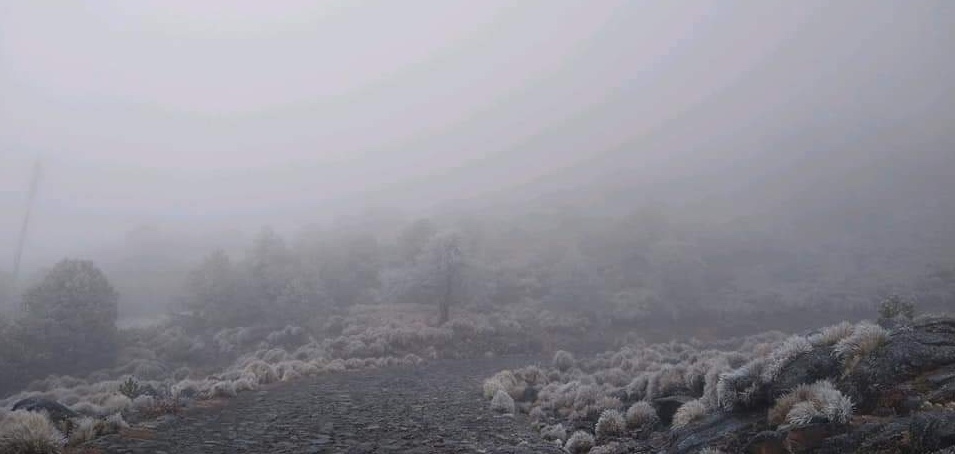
(434, 408)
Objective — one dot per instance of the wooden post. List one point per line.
(25, 226)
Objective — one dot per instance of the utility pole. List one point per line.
(25, 226)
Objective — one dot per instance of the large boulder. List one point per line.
(819, 364)
(716, 430)
(55, 410)
(923, 347)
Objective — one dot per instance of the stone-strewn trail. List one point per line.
(436, 407)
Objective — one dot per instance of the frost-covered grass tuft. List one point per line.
(554, 432)
(831, 335)
(504, 380)
(25, 432)
(641, 415)
(737, 388)
(83, 431)
(580, 442)
(782, 356)
(807, 402)
(263, 372)
(709, 450)
(864, 340)
(610, 424)
(116, 403)
(223, 389)
(688, 412)
(502, 402)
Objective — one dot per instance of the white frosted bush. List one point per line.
(864, 339)
(610, 424)
(83, 431)
(688, 412)
(504, 380)
(117, 403)
(783, 355)
(263, 372)
(26, 432)
(819, 400)
(502, 402)
(554, 432)
(642, 414)
(580, 442)
(223, 389)
(831, 335)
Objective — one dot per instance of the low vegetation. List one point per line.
(774, 382)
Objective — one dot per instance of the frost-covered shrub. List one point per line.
(83, 431)
(831, 335)
(688, 412)
(223, 389)
(25, 432)
(807, 402)
(665, 382)
(894, 307)
(864, 340)
(502, 402)
(263, 372)
(580, 442)
(641, 415)
(783, 355)
(506, 381)
(554, 432)
(111, 424)
(290, 336)
(637, 388)
(709, 450)
(738, 387)
(116, 403)
(610, 424)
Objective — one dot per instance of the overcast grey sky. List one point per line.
(251, 112)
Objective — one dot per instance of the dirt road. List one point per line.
(434, 408)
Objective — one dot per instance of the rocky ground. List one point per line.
(434, 408)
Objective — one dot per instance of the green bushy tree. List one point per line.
(70, 317)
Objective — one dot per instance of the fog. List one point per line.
(653, 212)
(212, 120)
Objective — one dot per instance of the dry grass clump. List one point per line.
(688, 412)
(807, 403)
(580, 442)
(865, 338)
(502, 402)
(610, 424)
(555, 432)
(506, 381)
(709, 450)
(83, 431)
(831, 335)
(641, 415)
(579, 391)
(591, 391)
(25, 432)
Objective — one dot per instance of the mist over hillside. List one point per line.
(711, 226)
